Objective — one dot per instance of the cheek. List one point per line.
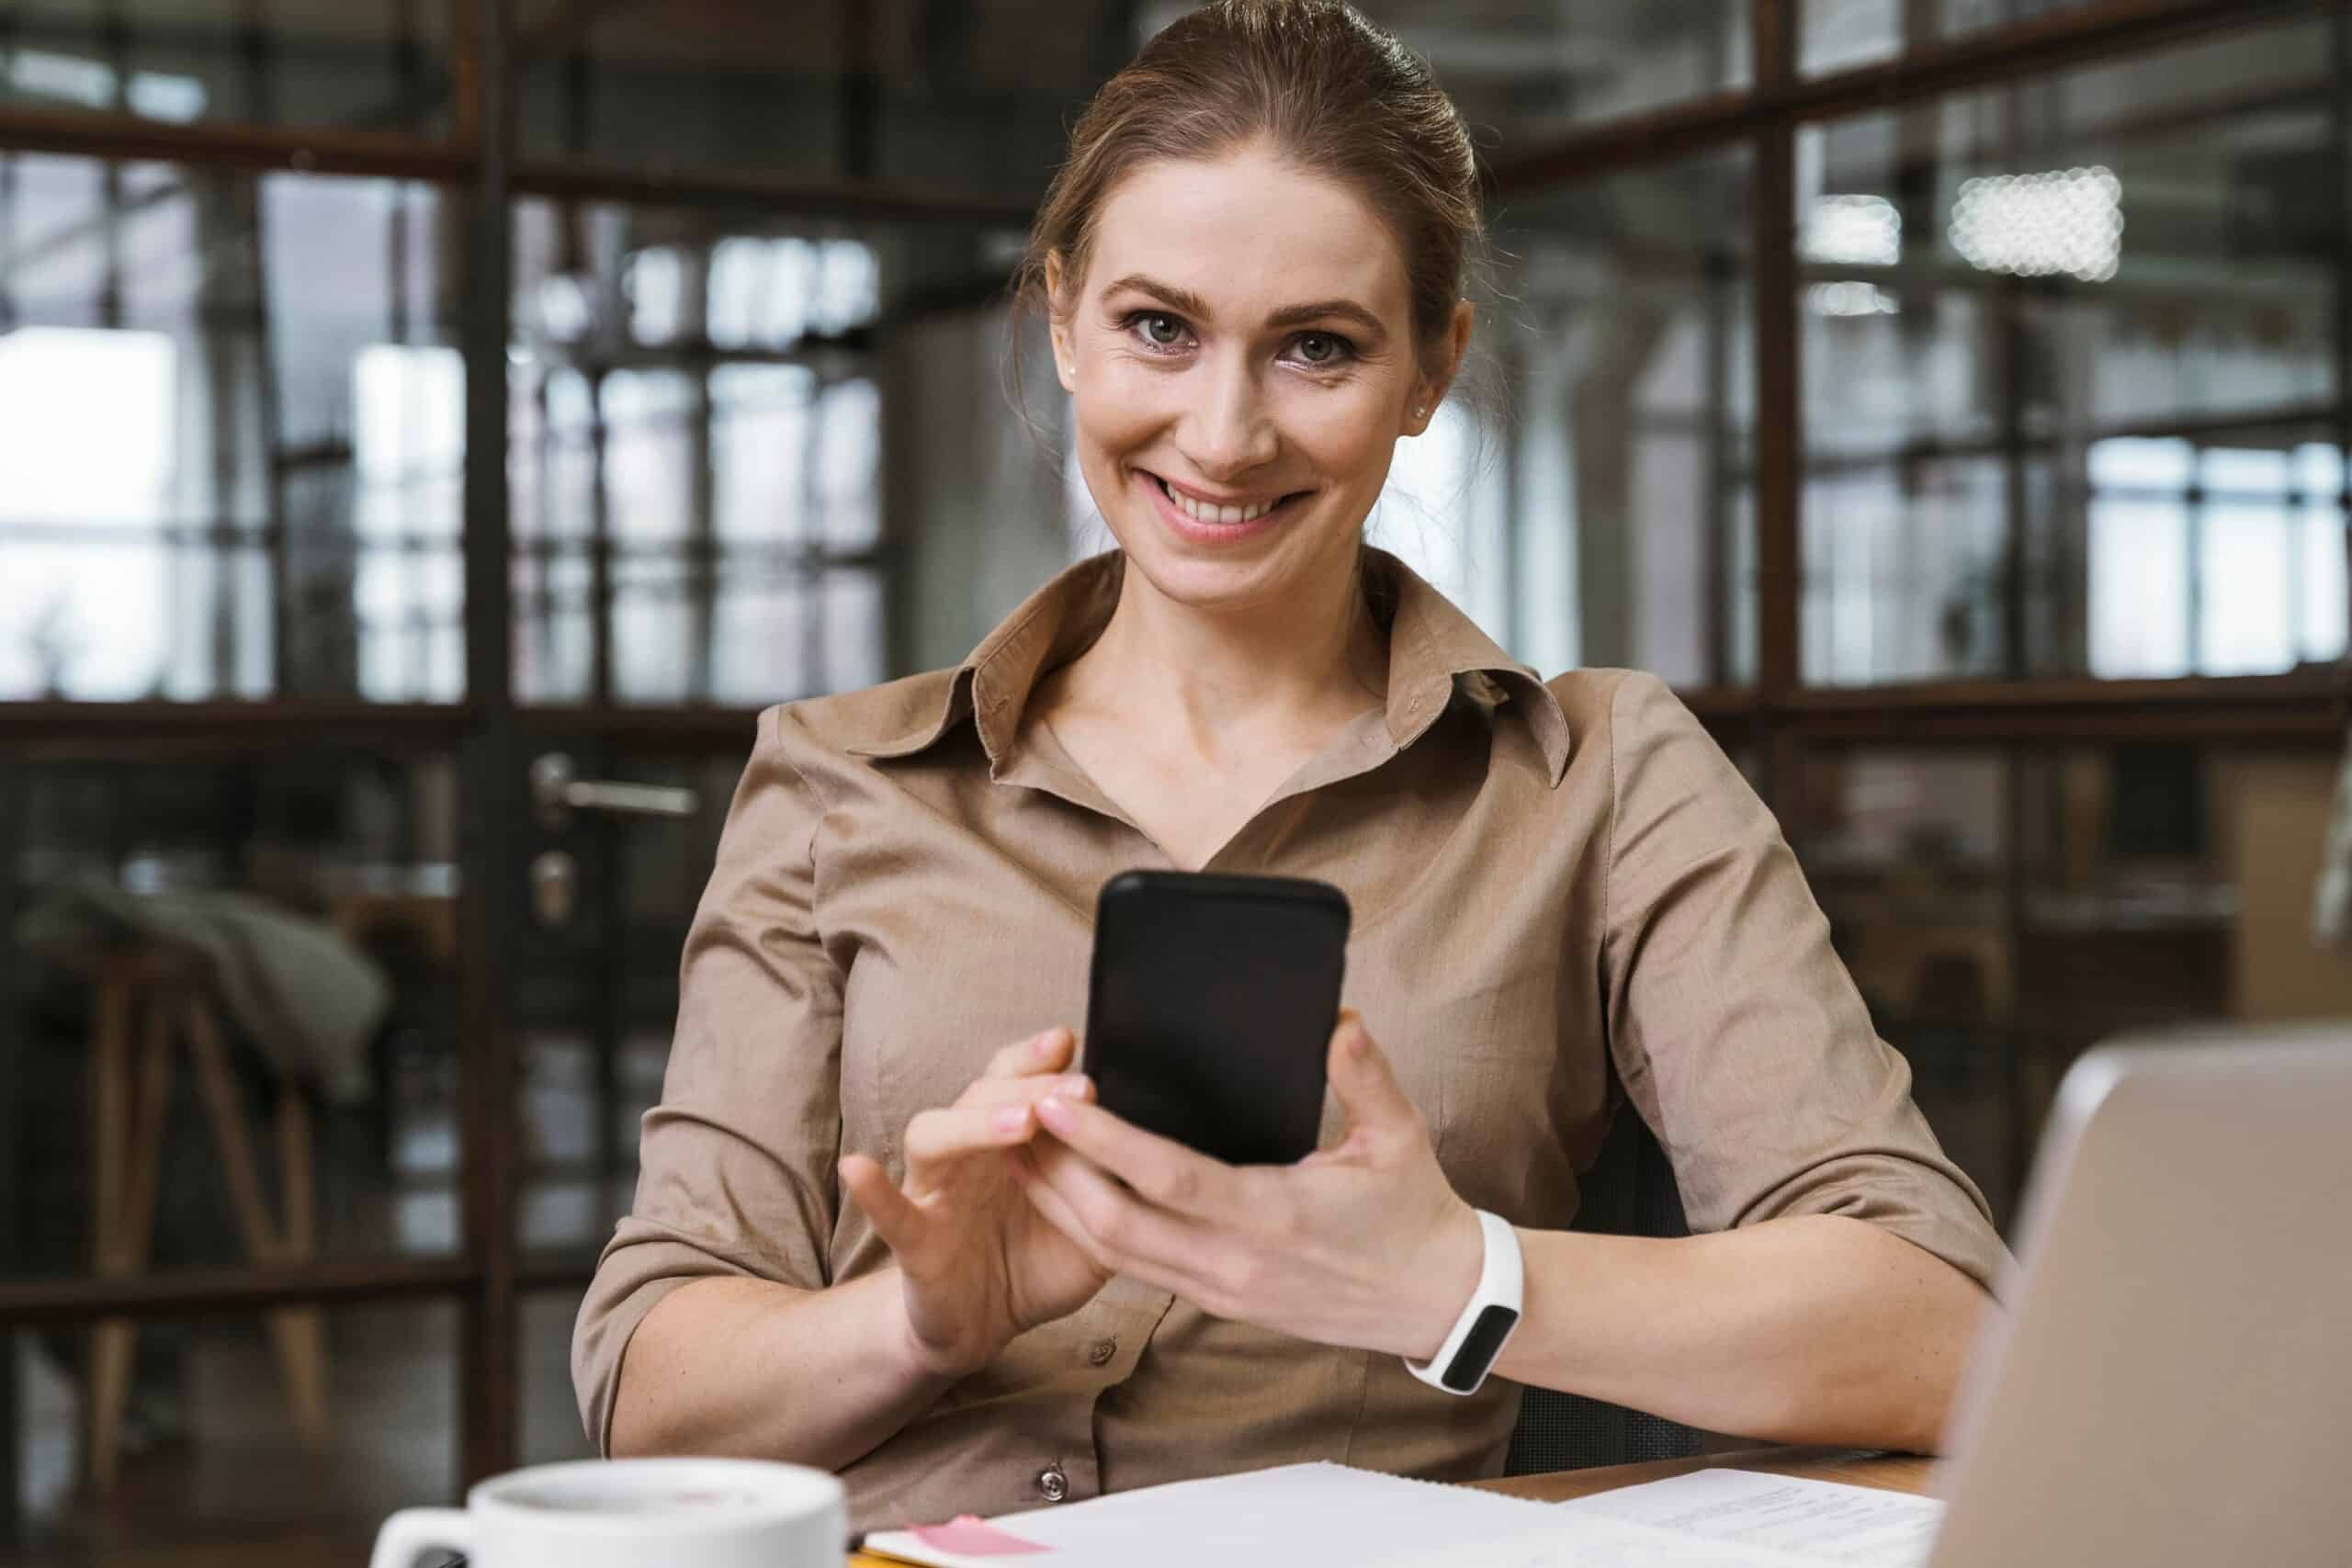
(1347, 434)
(1120, 407)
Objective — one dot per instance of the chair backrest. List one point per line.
(1630, 1191)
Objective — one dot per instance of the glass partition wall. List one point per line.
(404, 406)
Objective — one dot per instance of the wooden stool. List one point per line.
(142, 1001)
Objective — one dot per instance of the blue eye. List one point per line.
(1156, 332)
(1321, 351)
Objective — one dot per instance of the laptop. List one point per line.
(2172, 1381)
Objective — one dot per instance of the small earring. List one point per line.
(1423, 410)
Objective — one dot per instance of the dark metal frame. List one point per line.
(1777, 716)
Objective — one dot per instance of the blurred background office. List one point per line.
(413, 411)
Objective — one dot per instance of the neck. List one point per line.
(1223, 678)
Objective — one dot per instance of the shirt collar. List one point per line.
(1433, 650)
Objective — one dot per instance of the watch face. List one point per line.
(1478, 1348)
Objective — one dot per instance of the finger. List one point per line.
(951, 1131)
(1365, 1083)
(992, 1093)
(1047, 1201)
(1048, 1052)
(894, 1217)
(1169, 1175)
(1114, 1225)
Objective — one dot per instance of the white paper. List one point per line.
(1284, 1518)
(1596, 1540)
(1859, 1526)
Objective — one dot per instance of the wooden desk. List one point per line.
(1851, 1467)
(1890, 1472)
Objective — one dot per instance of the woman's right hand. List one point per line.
(978, 1263)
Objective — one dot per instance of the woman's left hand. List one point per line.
(1363, 1245)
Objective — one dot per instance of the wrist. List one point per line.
(1447, 1275)
(1484, 1324)
(920, 1359)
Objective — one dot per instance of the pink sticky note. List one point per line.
(971, 1536)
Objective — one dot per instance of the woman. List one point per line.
(1565, 897)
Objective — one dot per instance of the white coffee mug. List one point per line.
(681, 1513)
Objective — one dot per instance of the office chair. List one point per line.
(1630, 1191)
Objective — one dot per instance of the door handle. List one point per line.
(558, 791)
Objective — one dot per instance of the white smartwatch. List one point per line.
(1461, 1363)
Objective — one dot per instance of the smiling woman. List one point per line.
(1236, 424)
(870, 1234)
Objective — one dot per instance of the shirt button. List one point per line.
(1100, 1353)
(1052, 1485)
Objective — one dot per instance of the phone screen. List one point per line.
(1211, 1008)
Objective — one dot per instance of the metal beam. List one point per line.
(15, 1048)
(844, 198)
(2298, 708)
(1993, 58)
(258, 724)
(491, 906)
(322, 150)
(196, 1293)
(1779, 402)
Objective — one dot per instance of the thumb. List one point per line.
(895, 1217)
(1364, 1082)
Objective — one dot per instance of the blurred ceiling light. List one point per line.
(772, 292)
(758, 292)
(1853, 230)
(848, 286)
(159, 96)
(562, 306)
(86, 82)
(654, 280)
(1851, 297)
(91, 83)
(2067, 221)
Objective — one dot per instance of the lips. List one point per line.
(1205, 512)
(1211, 513)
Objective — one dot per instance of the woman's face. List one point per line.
(1241, 360)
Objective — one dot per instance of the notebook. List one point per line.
(1328, 1513)
(1289, 1515)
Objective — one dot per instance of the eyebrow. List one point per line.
(1191, 304)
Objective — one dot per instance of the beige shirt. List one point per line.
(1565, 897)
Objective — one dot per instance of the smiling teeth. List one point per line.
(1200, 511)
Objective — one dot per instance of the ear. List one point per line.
(1431, 389)
(1057, 325)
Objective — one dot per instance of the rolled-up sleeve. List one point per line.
(736, 1164)
(1740, 1037)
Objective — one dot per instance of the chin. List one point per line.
(1273, 568)
(1243, 571)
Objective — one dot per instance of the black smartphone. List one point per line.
(1210, 1007)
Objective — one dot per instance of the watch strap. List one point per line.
(1478, 1334)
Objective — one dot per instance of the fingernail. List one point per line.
(1010, 1119)
(1044, 1044)
(1053, 1111)
(1073, 1083)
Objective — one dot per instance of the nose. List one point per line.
(1227, 430)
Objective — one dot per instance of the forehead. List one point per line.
(1250, 234)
